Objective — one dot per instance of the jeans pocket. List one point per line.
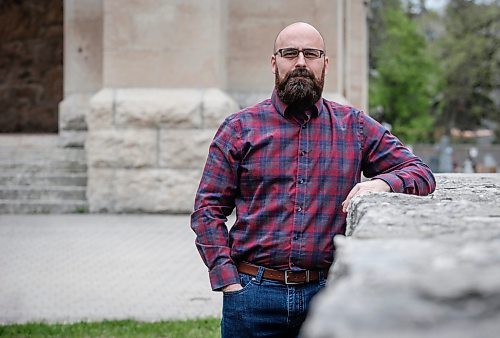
(246, 283)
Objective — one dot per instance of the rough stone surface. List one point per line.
(417, 266)
(216, 106)
(100, 189)
(160, 191)
(72, 111)
(162, 134)
(101, 112)
(174, 108)
(185, 148)
(121, 148)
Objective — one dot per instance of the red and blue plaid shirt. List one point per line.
(287, 178)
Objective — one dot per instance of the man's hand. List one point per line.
(376, 185)
(232, 288)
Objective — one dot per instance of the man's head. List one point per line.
(299, 79)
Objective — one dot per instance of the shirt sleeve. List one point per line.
(214, 202)
(386, 158)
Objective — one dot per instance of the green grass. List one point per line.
(199, 328)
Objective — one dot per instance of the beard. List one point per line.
(300, 88)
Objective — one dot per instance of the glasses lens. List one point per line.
(289, 53)
(312, 53)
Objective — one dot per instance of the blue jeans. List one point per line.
(265, 308)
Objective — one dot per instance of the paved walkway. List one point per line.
(66, 268)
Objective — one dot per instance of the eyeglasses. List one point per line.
(292, 53)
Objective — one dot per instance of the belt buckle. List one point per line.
(295, 283)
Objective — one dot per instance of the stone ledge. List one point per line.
(159, 108)
(417, 266)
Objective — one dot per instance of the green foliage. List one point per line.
(403, 82)
(470, 59)
(200, 328)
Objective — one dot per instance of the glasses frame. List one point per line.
(280, 52)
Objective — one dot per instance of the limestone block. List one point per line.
(72, 112)
(101, 190)
(121, 148)
(185, 148)
(164, 43)
(167, 108)
(409, 288)
(100, 114)
(416, 266)
(156, 190)
(72, 138)
(217, 105)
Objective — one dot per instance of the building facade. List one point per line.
(147, 83)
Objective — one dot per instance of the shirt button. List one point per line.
(301, 181)
(299, 209)
(304, 126)
(302, 152)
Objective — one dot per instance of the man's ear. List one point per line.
(273, 64)
(326, 64)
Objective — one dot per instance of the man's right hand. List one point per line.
(232, 288)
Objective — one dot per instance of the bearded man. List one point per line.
(289, 165)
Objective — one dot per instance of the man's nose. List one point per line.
(301, 60)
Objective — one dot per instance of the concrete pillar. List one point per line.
(82, 67)
(164, 72)
(158, 43)
(356, 54)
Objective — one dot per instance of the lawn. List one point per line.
(199, 328)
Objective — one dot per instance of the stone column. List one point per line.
(82, 67)
(150, 127)
(356, 54)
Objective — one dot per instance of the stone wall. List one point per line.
(31, 65)
(158, 77)
(417, 266)
(146, 147)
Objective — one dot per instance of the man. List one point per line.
(289, 165)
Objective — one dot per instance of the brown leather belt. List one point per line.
(283, 276)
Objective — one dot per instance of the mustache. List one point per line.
(299, 72)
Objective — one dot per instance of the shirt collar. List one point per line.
(282, 107)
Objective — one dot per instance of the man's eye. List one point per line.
(290, 53)
(311, 53)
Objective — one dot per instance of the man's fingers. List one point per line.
(351, 194)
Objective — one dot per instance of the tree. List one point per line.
(401, 82)
(470, 57)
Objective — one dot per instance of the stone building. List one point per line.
(146, 84)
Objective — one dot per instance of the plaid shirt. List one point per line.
(287, 178)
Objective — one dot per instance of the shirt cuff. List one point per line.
(392, 180)
(223, 275)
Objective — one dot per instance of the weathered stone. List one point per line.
(416, 266)
(185, 148)
(217, 105)
(101, 190)
(72, 112)
(100, 114)
(166, 108)
(409, 288)
(156, 190)
(121, 148)
(72, 138)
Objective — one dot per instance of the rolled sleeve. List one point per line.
(223, 275)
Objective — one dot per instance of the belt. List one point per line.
(283, 276)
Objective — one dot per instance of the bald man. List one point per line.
(289, 166)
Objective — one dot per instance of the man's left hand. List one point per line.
(376, 185)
